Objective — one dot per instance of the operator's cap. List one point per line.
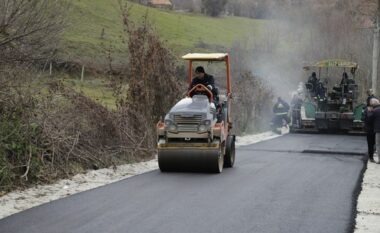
(200, 69)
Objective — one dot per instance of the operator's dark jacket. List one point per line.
(207, 80)
(374, 118)
(285, 107)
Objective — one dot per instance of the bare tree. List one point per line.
(29, 29)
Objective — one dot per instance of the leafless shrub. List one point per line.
(30, 29)
(151, 77)
(253, 98)
(253, 101)
(49, 135)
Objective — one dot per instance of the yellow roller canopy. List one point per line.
(205, 56)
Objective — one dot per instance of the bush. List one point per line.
(20, 134)
(49, 131)
(153, 87)
(253, 97)
(253, 101)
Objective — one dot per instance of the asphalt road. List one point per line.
(296, 183)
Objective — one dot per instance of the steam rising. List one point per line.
(304, 35)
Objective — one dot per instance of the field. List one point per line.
(96, 24)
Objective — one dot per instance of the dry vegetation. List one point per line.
(30, 29)
(50, 132)
(55, 132)
(253, 97)
(253, 102)
(153, 86)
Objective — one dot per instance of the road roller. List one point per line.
(195, 135)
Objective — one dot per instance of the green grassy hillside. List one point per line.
(94, 25)
(183, 32)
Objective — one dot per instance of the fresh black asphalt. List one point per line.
(295, 183)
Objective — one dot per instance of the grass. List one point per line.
(182, 31)
(96, 25)
(96, 89)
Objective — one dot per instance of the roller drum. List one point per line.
(190, 160)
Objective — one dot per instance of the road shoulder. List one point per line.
(368, 207)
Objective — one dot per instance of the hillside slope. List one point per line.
(96, 24)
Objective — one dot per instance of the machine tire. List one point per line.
(229, 157)
(219, 164)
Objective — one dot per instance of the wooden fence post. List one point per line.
(82, 75)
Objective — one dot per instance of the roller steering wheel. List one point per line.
(200, 88)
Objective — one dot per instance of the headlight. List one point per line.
(168, 123)
(202, 128)
(172, 128)
(206, 122)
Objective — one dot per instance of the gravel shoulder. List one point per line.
(368, 208)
